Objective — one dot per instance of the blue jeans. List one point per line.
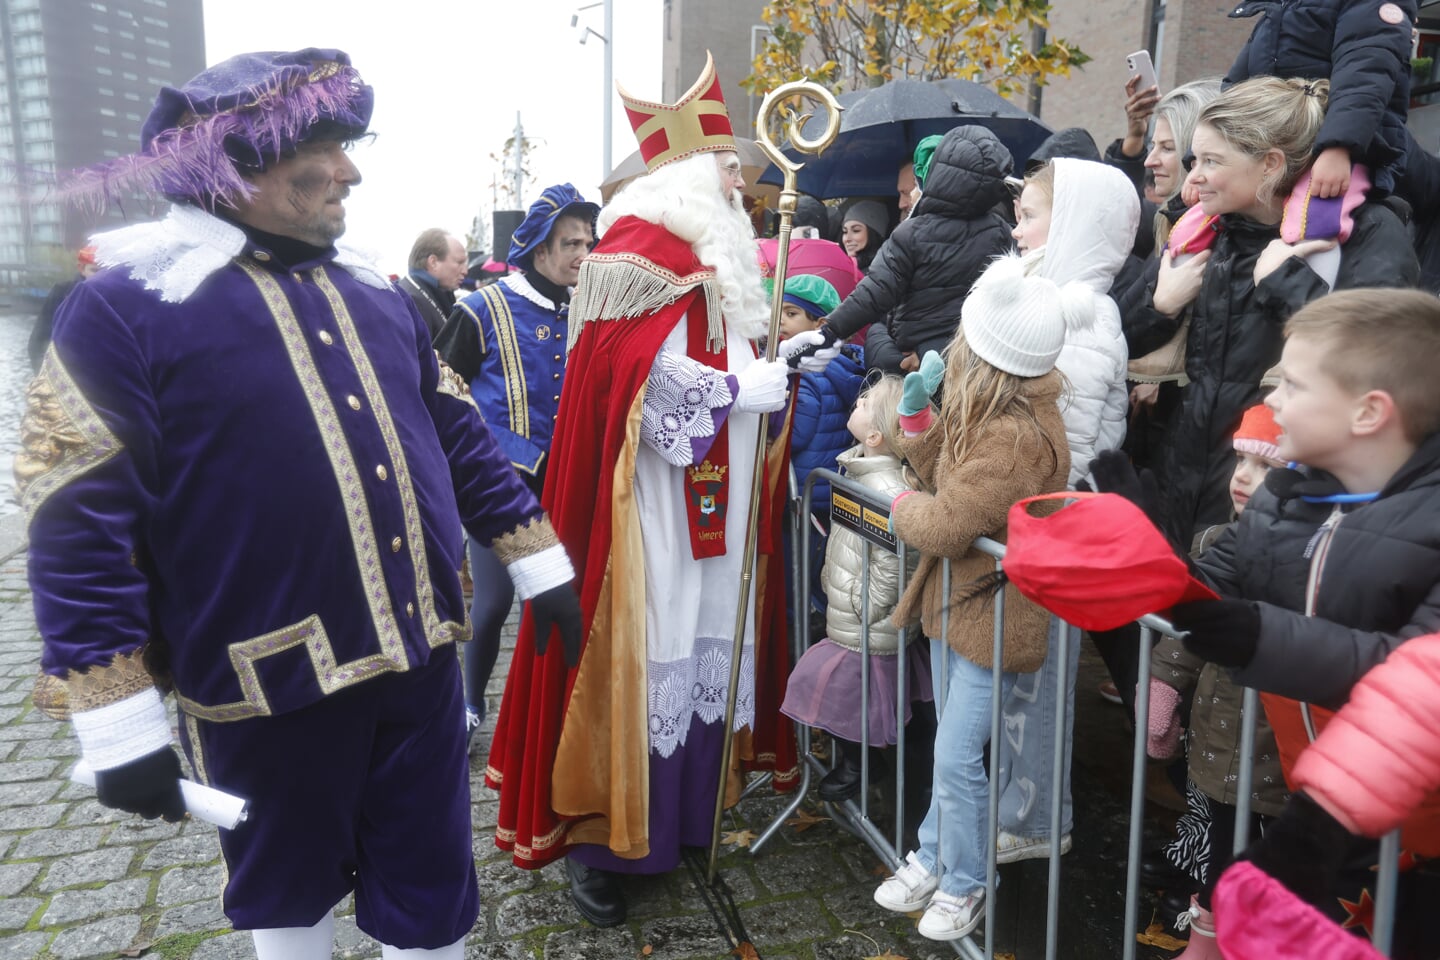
(955, 832)
(494, 593)
(1032, 718)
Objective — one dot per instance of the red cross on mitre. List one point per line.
(696, 124)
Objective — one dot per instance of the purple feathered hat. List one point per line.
(235, 117)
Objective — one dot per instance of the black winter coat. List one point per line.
(1380, 584)
(1420, 187)
(1236, 335)
(925, 269)
(1365, 58)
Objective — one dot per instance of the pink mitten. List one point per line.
(1162, 735)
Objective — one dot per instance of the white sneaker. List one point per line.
(909, 889)
(950, 918)
(1010, 848)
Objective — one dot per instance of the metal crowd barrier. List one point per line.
(857, 508)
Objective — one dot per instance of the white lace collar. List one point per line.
(517, 284)
(175, 255)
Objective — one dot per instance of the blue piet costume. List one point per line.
(245, 474)
(508, 340)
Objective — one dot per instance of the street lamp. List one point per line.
(585, 33)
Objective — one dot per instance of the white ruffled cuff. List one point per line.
(541, 571)
(125, 730)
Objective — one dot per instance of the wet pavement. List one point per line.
(78, 881)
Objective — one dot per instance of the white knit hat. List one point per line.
(1015, 322)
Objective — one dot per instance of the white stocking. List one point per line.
(297, 943)
(455, 951)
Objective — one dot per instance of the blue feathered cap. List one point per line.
(540, 220)
(237, 116)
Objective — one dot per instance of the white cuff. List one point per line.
(119, 732)
(540, 571)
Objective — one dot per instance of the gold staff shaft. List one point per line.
(788, 198)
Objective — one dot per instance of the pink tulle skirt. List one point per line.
(824, 690)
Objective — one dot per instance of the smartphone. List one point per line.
(1139, 65)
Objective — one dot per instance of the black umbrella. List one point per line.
(881, 126)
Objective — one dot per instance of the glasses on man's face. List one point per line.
(730, 169)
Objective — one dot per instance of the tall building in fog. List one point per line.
(78, 76)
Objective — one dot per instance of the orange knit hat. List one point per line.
(1258, 433)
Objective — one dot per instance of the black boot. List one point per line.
(1158, 873)
(843, 782)
(596, 893)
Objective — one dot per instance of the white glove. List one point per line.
(762, 387)
(816, 361)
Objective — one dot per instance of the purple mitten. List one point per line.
(1163, 730)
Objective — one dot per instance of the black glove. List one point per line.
(558, 607)
(149, 786)
(1304, 848)
(1114, 473)
(830, 338)
(1224, 632)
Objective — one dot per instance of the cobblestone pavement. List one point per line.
(78, 880)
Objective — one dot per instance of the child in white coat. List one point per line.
(1076, 222)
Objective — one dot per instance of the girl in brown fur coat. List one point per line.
(999, 439)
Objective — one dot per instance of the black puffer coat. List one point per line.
(1365, 56)
(1380, 584)
(926, 267)
(1236, 335)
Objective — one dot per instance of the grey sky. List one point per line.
(448, 77)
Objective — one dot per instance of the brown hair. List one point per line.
(978, 393)
(1380, 340)
(432, 243)
(1267, 113)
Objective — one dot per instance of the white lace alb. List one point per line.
(679, 395)
(697, 687)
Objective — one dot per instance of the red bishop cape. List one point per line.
(571, 747)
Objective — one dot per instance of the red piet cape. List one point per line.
(571, 747)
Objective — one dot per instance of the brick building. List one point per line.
(1187, 39)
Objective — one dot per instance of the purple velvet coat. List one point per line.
(268, 477)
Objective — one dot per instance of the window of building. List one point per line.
(109, 132)
(105, 91)
(127, 55)
(130, 76)
(157, 42)
(24, 22)
(35, 110)
(110, 153)
(133, 116)
(156, 22)
(125, 35)
(34, 87)
(97, 6)
(99, 28)
(103, 51)
(107, 112)
(157, 62)
(105, 71)
(129, 95)
(17, 5)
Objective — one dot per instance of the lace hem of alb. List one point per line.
(697, 687)
(679, 395)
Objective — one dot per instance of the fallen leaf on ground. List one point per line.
(741, 838)
(887, 955)
(1155, 936)
(646, 950)
(804, 820)
(880, 870)
(746, 951)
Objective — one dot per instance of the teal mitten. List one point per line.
(914, 395)
(932, 368)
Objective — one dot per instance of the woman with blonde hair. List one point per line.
(1251, 146)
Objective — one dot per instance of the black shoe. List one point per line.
(839, 784)
(596, 893)
(1158, 873)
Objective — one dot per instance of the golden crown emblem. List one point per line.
(696, 124)
(707, 471)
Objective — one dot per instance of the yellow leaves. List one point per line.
(746, 951)
(887, 955)
(740, 838)
(1155, 936)
(860, 43)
